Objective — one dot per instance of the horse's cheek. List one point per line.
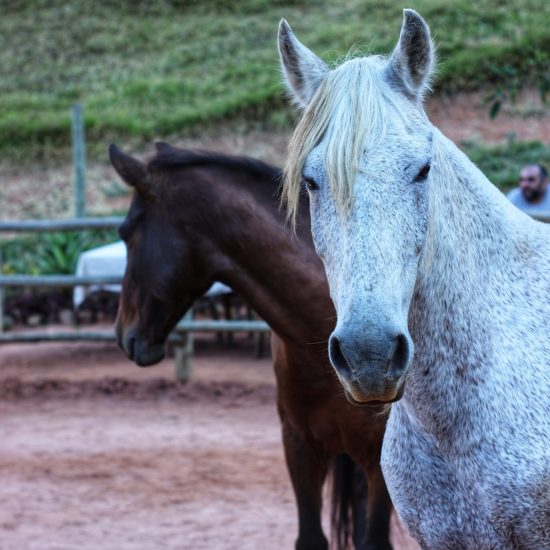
(323, 239)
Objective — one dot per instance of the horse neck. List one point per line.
(469, 284)
(276, 272)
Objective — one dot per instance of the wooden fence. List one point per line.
(180, 337)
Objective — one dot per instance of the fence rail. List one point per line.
(109, 335)
(61, 225)
(58, 336)
(59, 280)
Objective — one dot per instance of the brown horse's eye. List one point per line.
(311, 184)
(424, 171)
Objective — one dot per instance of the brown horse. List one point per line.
(197, 218)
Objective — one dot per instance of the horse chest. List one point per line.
(331, 422)
(320, 422)
(440, 500)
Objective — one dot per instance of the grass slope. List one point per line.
(159, 67)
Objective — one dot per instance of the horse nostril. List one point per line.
(337, 358)
(400, 356)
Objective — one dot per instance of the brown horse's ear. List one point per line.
(131, 170)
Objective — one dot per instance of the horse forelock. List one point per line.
(349, 114)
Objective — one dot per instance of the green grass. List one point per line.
(145, 69)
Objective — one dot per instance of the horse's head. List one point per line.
(163, 276)
(363, 149)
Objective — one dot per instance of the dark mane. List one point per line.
(173, 158)
(263, 180)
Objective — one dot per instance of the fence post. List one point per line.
(184, 353)
(79, 160)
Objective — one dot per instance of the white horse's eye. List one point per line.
(311, 184)
(423, 174)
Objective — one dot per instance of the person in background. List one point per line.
(532, 195)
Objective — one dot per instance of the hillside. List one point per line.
(171, 67)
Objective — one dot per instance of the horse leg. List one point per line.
(307, 470)
(359, 509)
(379, 508)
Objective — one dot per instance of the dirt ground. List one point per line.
(98, 453)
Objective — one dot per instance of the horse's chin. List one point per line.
(147, 356)
(374, 400)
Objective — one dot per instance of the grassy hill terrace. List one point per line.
(153, 68)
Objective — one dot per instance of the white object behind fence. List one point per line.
(111, 260)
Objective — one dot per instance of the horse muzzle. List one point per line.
(138, 349)
(371, 370)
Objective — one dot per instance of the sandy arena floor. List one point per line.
(97, 453)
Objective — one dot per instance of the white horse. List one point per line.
(421, 250)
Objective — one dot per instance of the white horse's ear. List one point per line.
(410, 65)
(302, 69)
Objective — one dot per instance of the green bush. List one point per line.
(50, 253)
